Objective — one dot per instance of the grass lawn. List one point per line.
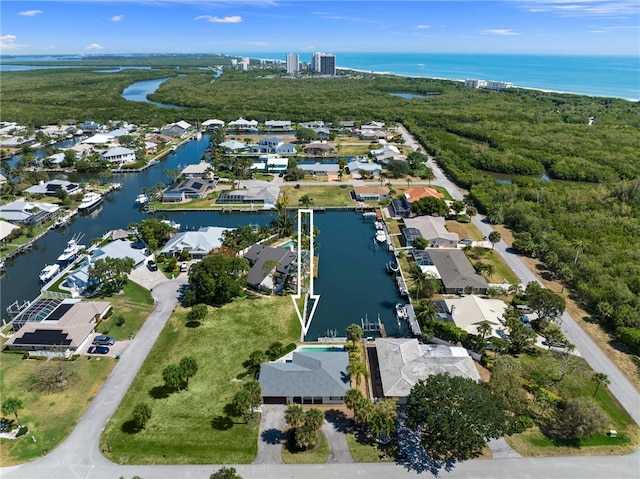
(329, 195)
(368, 451)
(318, 455)
(578, 384)
(193, 426)
(502, 272)
(134, 304)
(50, 417)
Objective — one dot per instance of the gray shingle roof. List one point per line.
(259, 254)
(309, 374)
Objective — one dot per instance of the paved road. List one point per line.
(620, 386)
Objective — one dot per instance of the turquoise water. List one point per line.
(607, 76)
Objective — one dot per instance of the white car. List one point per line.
(184, 267)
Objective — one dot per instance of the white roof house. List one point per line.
(197, 243)
(403, 362)
(21, 211)
(385, 150)
(432, 228)
(6, 229)
(212, 124)
(98, 139)
(242, 124)
(468, 312)
(198, 170)
(233, 145)
(119, 155)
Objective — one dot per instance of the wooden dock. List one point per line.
(316, 261)
(412, 321)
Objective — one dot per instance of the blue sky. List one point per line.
(262, 26)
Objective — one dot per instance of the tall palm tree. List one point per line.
(599, 379)
(418, 277)
(579, 246)
(429, 310)
(358, 369)
(494, 237)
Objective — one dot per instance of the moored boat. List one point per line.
(393, 267)
(72, 249)
(61, 221)
(401, 311)
(89, 201)
(380, 237)
(142, 199)
(48, 272)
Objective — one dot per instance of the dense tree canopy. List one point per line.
(216, 280)
(454, 416)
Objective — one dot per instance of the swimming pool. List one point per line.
(322, 349)
(289, 245)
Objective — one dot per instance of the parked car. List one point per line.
(98, 350)
(152, 265)
(466, 241)
(554, 344)
(184, 267)
(104, 340)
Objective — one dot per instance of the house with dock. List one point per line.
(177, 129)
(261, 195)
(22, 212)
(403, 362)
(370, 193)
(119, 155)
(431, 228)
(53, 187)
(197, 244)
(270, 267)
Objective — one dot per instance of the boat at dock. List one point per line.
(392, 267)
(381, 236)
(142, 199)
(71, 250)
(401, 312)
(62, 221)
(90, 201)
(379, 225)
(48, 272)
(172, 223)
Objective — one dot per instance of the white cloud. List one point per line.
(329, 16)
(117, 18)
(29, 13)
(583, 8)
(422, 27)
(94, 46)
(498, 31)
(8, 42)
(229, 19)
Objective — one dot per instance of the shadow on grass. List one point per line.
(160, 392)
(222, 423)
(192, 324)
(130, 427)
(272, 436)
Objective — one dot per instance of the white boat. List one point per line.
(116, 186)
(49, 272)
(72, 249)
(89, 201)
(142, 199)
(172, 223)
(198, 136)
(393, 267)
(379, 225)
(401, 311)
(380, 237)
(61, 221)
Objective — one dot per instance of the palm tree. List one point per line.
(599, 379)
(294, 415)
(12, 405)
(305, 201)
(429, 310)
(484, 329)
(418, 277)
(579, 246)
(494, 237)
(358, 369)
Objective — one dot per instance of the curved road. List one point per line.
(79, 456)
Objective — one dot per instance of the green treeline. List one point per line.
(584, 224)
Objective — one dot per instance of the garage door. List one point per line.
(275, 400)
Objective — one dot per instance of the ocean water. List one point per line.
(604, 76)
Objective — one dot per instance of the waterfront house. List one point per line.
(373, 135)
(403, 362)
(456, 272)
(266, 195)
(212, 124)
(197, 243)
(54, 159)
(401, 207)
(98, 139)
(322, 133)
(469, 311)
(22, 212)
(312, 124)
(119, 155)
(233, 146)
(269, 267)
(318, 148)
(202, 170)
(60, 325)
(370, 193)
(385, 150)
(177, 129)
(270, 164)
(89, 126)
(355, 167)
(306, 378)
(431, 228)
(273, 144)
(188, 188)
(6, 229)
(278, 125)
(243, 125)
(373, 126)
(51, 188)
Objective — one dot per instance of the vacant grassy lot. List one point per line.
(194, 426)
(133, 304)
(329, 195)
(50, 417)
(575, 384)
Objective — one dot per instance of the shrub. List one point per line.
(22, 431)
(630, 337)
(520, 424)
(120, 321)
(463, 219)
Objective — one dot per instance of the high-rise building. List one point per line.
(293, 63)
(324, 63)
(328, 65)
(243, 64)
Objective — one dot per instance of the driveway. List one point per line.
(334, 432)
(271, 434)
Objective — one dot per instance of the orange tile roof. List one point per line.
(414, 194)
